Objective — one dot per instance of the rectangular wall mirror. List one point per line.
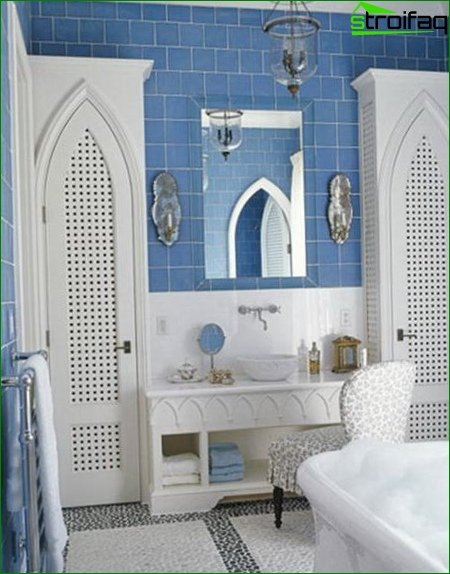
(253, 196)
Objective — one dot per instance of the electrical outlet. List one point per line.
(346, 318)
(161, 326)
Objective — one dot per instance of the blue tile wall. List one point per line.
(13, 525)
(201, 51)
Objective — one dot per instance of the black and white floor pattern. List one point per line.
(233, 537)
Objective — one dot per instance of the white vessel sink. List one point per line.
(268, 367)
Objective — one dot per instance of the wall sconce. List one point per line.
(293, 55)
(345, 354)
(340, 211)
(225, 130)
(166, 211)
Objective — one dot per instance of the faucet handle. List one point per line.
(274, 309)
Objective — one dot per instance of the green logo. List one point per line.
(377, 20)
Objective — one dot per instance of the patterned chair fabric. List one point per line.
(287, 453)
(374, 402)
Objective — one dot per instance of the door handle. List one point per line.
(401, 335)
(126, 347)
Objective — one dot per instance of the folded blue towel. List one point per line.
(230, 477)
(223, 454)
(232, 469)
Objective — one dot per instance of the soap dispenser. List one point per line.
(314, 360)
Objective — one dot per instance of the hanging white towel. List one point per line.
(181, 464)
(13, 450)
(55, 529)
(186, 479)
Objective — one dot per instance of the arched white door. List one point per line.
(275, 242)
(419, 237)
(90, 302)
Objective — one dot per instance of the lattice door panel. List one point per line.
(90, 276)
(428, 421)
(426, 263)
(95, 447)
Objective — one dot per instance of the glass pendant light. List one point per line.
(225, 130)
(293, 54)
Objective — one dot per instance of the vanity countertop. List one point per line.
(297, 381)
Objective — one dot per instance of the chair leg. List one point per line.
(278, 504)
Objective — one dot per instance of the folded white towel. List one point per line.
(55, 530)
(181, 464)
(185, 479)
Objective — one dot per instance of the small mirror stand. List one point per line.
(211, 340)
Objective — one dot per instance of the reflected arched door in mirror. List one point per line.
(262, 239)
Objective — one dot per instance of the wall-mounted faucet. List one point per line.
(258, 311)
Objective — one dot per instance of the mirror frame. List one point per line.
(196, 104)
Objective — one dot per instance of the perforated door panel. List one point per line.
(426, 265)
(426, 257)
(90, 269)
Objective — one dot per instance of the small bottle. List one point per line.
(302, 353)
(363, 358)
(314, 360)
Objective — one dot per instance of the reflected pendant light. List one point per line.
(293, 54)
(225, 130)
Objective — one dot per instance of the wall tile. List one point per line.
(79, 9)
(191, 35)
(92, 31)
(117, 32)
(395, 46)
(53, 8)
(203, 59)
(104, 9)
(167, 34)
(142, 33)
(129, 11)
(80, 50)
(66, 30)
(416, 47)
(226, 15)
(203, 14)
(179, 13)
(104, 51)
(216, 37)
(42, 29)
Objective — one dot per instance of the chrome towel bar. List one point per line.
(24, 383)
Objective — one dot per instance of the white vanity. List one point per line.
(187, 417)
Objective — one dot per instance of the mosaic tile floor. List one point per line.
(233, 537)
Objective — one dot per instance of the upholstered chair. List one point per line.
(374, 402)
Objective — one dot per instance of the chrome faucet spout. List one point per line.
(259, 311)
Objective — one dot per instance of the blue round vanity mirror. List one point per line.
(211, 339)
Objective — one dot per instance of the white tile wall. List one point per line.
(309, 314)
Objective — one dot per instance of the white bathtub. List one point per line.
(379, 507)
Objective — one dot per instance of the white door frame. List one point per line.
(22, 164)
(34, 236)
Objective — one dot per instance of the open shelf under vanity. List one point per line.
(188, 418)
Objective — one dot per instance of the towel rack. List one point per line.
(24, 382)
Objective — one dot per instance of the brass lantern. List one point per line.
(345, 354)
